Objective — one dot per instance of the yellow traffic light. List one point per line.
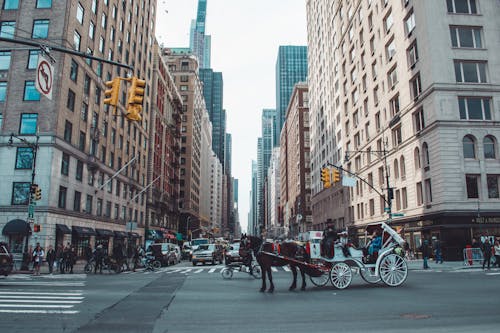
(135, 98)
(336, 175)
(111, 94)
(325, 177)
(36, 192)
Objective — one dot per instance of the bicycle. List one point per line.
(150, 263)
(227, 272)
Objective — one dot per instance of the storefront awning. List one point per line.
(63, 228)
(133, 235)
(17, 226)
(121, 234)
(83, 231)
(104, 233)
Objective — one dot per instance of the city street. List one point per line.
(183, 298)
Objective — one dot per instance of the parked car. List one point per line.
(207, 253)
(233, 254)
(163, 253)
(6, 260)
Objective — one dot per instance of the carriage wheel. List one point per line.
(341, 275)
(368, 274)
(226, 273)
(393, 270)
(156, 264)
(320, 281)
(256, 271)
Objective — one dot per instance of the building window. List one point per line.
(80, 12)
(68, 131)
(28, 123)
(410, 23)
(392, 77)
(489, 147)
(94, 6)
(184, 88)
(462, 6)
(394, 105)
(11, 4)
(24, 158)
(20, 193)
(469, 147)
(416, 157)
(418, 120)
(412, 54)
(470, 71)
(425, 150)
(388, 22)
(4, 60)
(81, 142)
(472, 183)
(43, 4)
(474, 108)
(88, 204)
(104, 20)
(77, 201)
(416, 87)
(108, 209)
(397, 136)
(30, 92)
(420, 196)
(7, 29)
(40, 29)
(404, 197)
(65, 164)
(492, 181)
(3, 92)
(73, 74)
(61, 203)
(33, 59)
(79, 170)
(76, 41)
(84, 113)
(390, 50)
(396, 168)
(99, 207)
(466, 37)
(428, 191)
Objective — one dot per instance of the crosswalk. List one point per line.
(196, 270)
(45, 294)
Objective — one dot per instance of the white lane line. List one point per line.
(50, 284)
(37, 293)
(287, 269)
(40, 297)
(186, 271)
(64, 276)
(492, 273)
(198, 270)
(174, 271)
(211, 270)
(40, 311)
(38, 301)
(35, 306)
(274, 269)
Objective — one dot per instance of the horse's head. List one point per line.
(250, 242)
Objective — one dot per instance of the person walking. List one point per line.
(486, 252)
(60, 258)
(497, 253)
(51, 258)
(99, 257)
(425, 252)
(38, 255)
(438, 255)
(88, 252)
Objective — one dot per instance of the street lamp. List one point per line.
(390, 192)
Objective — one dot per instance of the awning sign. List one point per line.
(44, 76)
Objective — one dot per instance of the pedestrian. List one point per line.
(60, 258)
(138, 254)
(497, 253)
(30, 257)
(88, 252)
(438, 255)
(69, 258)
(99, 257)
(425, 252)
(51, 258)
(486, 252)
(38, 255)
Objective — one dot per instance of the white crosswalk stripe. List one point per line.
(35, 302)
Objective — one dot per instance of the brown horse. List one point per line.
(266, 259)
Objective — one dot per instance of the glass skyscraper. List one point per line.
(291, 67)
(200, 43)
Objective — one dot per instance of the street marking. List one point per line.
(40, 311)
(39, 283)
(186, 271)
(286, 268)
(211, 270)
(36, 306)
(40, 297)
(38, 301)
(198, 271)
(76, 293)
(274, 269)
(492, 273)
(174, 271)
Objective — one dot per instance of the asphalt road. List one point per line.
(187, 299)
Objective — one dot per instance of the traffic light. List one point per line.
(111, 94)
(336, 175)
(325, 177)
(135, 98)
(36, 192)
(36, 228)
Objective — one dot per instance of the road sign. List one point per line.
(44, 76)
(31, 211)
(397, 214)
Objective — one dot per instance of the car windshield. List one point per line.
(199, 241)
(205, 247)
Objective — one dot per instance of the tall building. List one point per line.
(79, 145)
(407, 91)
(254, 198)
(260, 185)
(199, 43)
(268, 120)
(207, 187)
(213, 93)
(274, 189)
(291, 67)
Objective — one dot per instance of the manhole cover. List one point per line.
(415, 316)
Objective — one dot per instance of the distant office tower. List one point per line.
(291, 67)
(268, 120)
(213, 93)
(200, 43)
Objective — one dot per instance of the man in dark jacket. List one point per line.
(426, 251)
(486, 252)
(51, 258)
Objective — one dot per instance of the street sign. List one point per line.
(397, 214)
(31, 211)
(44, 76)
(386, 209)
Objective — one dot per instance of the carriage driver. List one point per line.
(246, 253)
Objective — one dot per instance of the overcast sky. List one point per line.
(245, 40)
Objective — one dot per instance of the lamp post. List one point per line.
(31, 203)
(390, 192)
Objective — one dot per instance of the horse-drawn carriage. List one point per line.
(385, 264)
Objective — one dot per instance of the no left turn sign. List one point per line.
(44, 76)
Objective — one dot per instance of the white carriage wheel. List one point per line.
(320, 281)
(341, 275)
(368, 274)
(256, 271)
(393, 270)
(227, 273)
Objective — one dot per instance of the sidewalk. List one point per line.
(44, 269)
(447, 265)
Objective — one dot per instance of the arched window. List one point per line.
(489, 147)
(416, 157)
(396, 169)
(468, 146)
(425, 151)
(402, 167)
